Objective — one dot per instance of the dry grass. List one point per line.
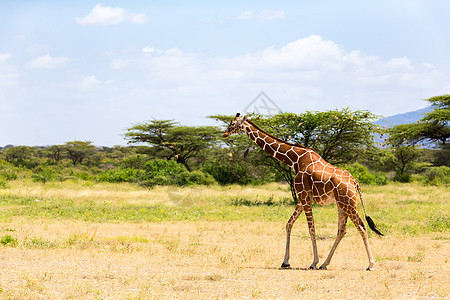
(61, 256)
(210, 260)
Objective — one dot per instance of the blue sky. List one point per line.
(87, 70)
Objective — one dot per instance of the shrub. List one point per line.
(81, 174)
(8, 171)
(120, 175)
(404, 178)
(194, 177)
(3, 183)
(8, 175)
(362, 174)
(161, 167)
(43, 174)
(4, 163)
(135, 161)
(227, 173)
(437, 175)
(158, 180)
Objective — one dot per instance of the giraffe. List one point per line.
(316, 181)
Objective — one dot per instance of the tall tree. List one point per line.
(433, 128)
(55, 152)
(79, 151)
(171, 140)
(18, 153)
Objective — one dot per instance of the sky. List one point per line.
(88, 70)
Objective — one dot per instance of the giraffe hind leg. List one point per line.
(359, 224)
(342, 230)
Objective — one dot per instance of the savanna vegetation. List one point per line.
(162, 152)
(183, 213)
(83, 239)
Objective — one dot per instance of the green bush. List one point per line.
(8, 171)
(158, 180)
(83, 174)
(120, 175)
(162, 167)
(194, 177)
(8, 174)
(404, 178)
(3, 183)
(227, 173)
(135, 161)
(4, 163)
(362, 174)
(43, 174)
(437, 175)
(155, 172)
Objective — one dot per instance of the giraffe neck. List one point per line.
(281, 150)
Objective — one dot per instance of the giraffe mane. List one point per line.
(278, 139)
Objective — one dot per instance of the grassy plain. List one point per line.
(84, 240)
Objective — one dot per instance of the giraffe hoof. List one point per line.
(286, 266)
(313, 268)
(369, 269)
(323, 268)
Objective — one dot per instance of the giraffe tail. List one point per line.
(369, 220)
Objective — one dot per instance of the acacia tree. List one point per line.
(339, 136)
(405, 139)
(171, 140)
(55, 152)
(18, 153)
(77, 151)
(433, 127)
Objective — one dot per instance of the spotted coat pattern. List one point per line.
(316, 181)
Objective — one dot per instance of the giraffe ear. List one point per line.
(245, 118)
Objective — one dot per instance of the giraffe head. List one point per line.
(236, 125)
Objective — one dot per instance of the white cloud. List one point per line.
(4, 57)
(47, 62)
(106, 15)
(269, 15)
(247, 15)
(151, 51)
(89, 83)
(265, 15)
(320, 73)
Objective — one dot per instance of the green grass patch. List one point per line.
(90, 211)
(409, 209)
(8, 240)
(39, 243)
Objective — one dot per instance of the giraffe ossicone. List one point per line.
(316, 181)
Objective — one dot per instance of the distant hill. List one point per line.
(405, 118)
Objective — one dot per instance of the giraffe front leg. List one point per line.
(312, 233)
(303, 188)
(290, 223)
